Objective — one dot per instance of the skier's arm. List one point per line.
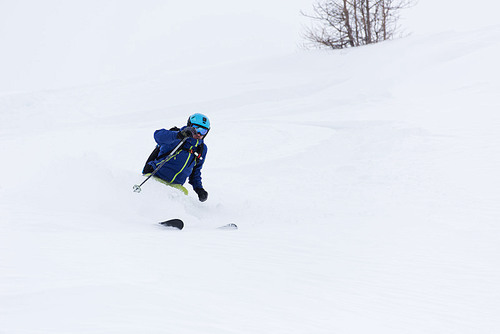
(195, 177)
(165, 137)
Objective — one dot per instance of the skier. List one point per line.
(187, 161)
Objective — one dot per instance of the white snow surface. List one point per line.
(365, 184)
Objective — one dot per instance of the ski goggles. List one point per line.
(201, 130)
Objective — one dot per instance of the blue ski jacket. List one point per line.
(186, 162)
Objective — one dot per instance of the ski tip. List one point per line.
(230, 226)
(173, 223)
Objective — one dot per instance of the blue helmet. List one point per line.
(199, 120)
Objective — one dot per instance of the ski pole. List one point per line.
(137, 188)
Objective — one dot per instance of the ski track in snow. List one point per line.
(365, 203)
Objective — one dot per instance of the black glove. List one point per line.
(187, 132)
(202, 194)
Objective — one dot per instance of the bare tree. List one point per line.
(350, 23)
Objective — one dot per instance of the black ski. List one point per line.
(175, 223)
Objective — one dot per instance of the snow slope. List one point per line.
(364, 182)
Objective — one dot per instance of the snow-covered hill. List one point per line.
(364, 182)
